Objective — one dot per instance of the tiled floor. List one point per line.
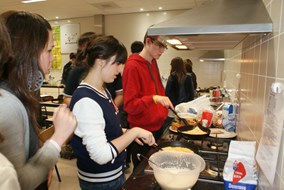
(68, 173)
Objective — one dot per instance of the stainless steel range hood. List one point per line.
(216, 25)
(212, 56)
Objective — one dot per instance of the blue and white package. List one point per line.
(229, 117)
(240, 170)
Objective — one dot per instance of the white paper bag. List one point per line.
(240, 170)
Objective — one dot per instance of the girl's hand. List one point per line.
(49, 179)
(144, 136)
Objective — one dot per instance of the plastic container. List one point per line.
(207, 115)
(229, 116)
(187, 115)
(177, 170)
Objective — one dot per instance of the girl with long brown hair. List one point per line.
(20, 79)
(179, 87)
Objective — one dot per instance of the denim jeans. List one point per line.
(112, 185)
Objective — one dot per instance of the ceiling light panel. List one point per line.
(32, 1)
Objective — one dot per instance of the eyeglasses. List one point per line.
(159, 44)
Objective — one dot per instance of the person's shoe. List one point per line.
(126, 166)
(127, 169)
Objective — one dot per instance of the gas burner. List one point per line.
(215, 152)
(215, 145)
(221, 146)
(213, 171)
(215, 168)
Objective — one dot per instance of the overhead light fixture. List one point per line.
(32, 1)
(212, 60)
(181, 47)
(177, 44)
(174, 42)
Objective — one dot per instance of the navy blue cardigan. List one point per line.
(112, 131)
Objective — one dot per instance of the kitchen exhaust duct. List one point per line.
(215, 25)
(212, 56)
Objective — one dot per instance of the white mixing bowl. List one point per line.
(176, 170)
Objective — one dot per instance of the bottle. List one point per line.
(229, 117)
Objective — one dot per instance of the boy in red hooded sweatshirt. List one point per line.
(144, 94)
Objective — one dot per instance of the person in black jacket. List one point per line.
(179, 87)
(67, 67)
(188, 68)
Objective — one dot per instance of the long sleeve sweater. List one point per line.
(98, 160)
(32, 169)
(139, 87)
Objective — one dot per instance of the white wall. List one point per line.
(130, 27)
(259, 65)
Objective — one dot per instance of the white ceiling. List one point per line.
(65, 9)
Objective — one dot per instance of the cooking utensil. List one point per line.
(182, 129)
(139, 158)
(222, 104)
(182, 119)
(222, 133)
(216, 132)
(157, 147)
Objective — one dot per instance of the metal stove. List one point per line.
(215, 152)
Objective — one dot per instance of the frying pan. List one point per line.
(192, 136)
(188, 145)
(181, 119)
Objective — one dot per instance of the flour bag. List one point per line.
(240, 170)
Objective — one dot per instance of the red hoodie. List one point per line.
(138, 91)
